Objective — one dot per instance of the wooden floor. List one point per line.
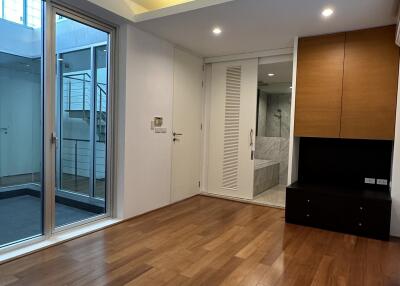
(210, 241)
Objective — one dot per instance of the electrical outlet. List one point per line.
(370, 181)
(382, 182)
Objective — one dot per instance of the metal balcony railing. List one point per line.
(76, 158)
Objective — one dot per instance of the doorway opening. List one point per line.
(271, 157)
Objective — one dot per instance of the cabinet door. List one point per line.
(370, 84)
(319, 86)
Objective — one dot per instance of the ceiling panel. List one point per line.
(257, 25)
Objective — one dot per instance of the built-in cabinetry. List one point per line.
(347, 85)
(319, 86)
(331, 192)
(354, 210)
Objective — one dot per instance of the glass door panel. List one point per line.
(21, 126)
(101, 69)
(81, 117)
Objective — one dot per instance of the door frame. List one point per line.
(48, 92)
(268, 56)
(52, 9)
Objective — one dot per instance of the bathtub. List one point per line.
(259, 163)
(266, 175)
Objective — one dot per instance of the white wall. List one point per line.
(20, 109)
(144, 158)
(395, 224)
(146, 81)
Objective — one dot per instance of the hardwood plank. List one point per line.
(210, 241)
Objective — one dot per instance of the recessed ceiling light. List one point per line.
(327, 12)
(216, 31)
(271, 74)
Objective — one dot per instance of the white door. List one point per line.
(232, 128)
(187, 106)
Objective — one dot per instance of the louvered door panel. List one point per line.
(232, 117)
(231, 128)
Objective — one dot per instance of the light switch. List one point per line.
(160, 130)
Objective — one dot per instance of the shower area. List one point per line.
(272, 133)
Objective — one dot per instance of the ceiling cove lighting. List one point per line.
(327, 12)
(271, 74)
(217, 31)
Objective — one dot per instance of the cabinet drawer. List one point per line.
(342, 213)
(371, 219)
(299, 207)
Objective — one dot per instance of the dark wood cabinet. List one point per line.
(352, 210)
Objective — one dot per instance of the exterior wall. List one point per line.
(20, 108)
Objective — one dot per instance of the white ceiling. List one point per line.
(258, 25)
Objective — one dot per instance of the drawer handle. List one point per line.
(359, 224)
(307, 215)
(361, 208)
(308, 201)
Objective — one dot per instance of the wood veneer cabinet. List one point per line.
(319, 86)
(347, 85)
(370, 84)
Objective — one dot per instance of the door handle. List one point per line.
(54, 138)
(251, 144)
(175, 136)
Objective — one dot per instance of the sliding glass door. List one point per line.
(21, 128)
(55, 110)
(82, 95)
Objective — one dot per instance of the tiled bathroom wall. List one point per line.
(272, 142)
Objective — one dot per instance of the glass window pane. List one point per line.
(33, 12)
(21, 127)
(14, 11)
(1, 9)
